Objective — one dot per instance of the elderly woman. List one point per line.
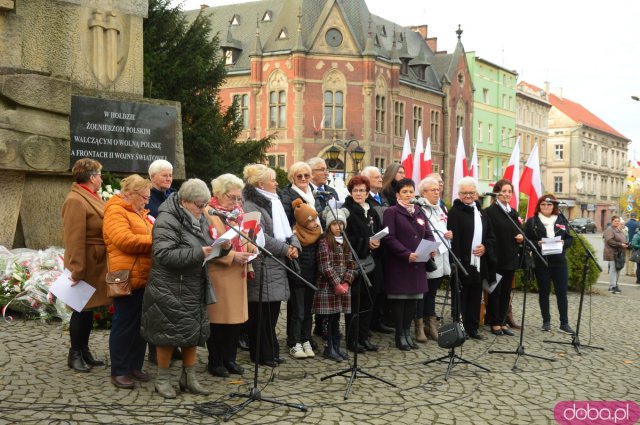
(362, 223)
(507, 248)
(615, 242)
(161, 176)
(127, 235)
(405, 278)
(85, 255)
(392, 174)
(174, 307)
(473, 244)
(430, 190)
(269, 286)
(228, 275)
(547, 222)
(299, 318)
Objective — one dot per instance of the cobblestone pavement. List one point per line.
(37, 387)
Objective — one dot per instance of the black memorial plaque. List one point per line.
(123, 136)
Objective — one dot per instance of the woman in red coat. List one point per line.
(405, 279)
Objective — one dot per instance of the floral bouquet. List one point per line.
(107, 192)
(25, 278)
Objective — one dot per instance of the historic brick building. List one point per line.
(316, 71)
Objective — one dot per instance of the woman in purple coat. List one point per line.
(405, 279)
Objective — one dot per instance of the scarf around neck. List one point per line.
(407, 206)
(548, 223)
(477, 236)
(281, 228)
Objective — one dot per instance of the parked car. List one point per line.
(583, 225)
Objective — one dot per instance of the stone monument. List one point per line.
(53, 51)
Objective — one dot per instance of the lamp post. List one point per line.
(357, 153)
(636, 98)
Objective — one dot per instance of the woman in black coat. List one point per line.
(473, 246)
(363, 222)
(508, 247)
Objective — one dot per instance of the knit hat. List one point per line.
(340, 214)
(307, 227)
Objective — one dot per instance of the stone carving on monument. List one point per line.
(53, 51)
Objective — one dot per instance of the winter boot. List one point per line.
(330, 351)
(336, 346)
(419, 325)
(76, 361)
(163, 383)
(412, 344)
(188, 381)
(431, 325)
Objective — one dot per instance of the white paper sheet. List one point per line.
(425, 249)
(552, 245)
(76, 296)
(226, 237)
(381, 234)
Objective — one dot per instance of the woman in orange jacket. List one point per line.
(127, 235)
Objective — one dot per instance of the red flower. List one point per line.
(97, 316)
(111, 309)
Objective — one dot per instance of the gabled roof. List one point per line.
(580, 114)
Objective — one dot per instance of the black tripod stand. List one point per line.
(575, 340)
(255, 393)
(353, 370)
(451, 358)
(529, 263)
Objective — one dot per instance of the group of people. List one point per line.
(322, 258)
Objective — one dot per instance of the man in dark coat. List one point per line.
(319, 178)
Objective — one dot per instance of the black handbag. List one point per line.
(368, 264)
(451, 335)
(431, 265)
(635, 256)
(619, 259)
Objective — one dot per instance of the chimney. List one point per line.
(422, 30)
(432, 43)
(203, 6)
(547, 87)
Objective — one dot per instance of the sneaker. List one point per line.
(616, 290)
(297, 352)
(612, 289)
(308, 349)
(566, 329)
(546, 327)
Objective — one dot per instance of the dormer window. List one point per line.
(268, 15)
(420, 72)
(376, 41)
(383, 31)
(283, 34)
(235, 20)
(230, 56)
(404, 66)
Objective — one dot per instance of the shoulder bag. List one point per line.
(619, 259)
(635, 256)
(451, 335)
(118, 284)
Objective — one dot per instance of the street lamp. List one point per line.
(357, 153)
(636, 98)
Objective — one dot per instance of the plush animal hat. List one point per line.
(307, 227)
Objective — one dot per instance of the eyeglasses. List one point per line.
(235, 199)
(434, 189)
(200, 206)
(96, 174)
(303, 176)
(359, 191)
(467, 193)
(320, 169)
(146, 198)
(546, 204)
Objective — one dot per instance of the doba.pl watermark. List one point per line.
(596, 412)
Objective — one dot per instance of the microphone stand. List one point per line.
(254, 393)
(528, 277)
(454, 281)
(575, 340)
(353, 369)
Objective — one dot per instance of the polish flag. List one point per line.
(418, 159)
(512, 172)
(460, 168)
(407, 160)
(473, 171)
(530, 182)
(428, 162)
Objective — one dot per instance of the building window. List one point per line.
(333, 109)
(417, 120)
(502, 137)
(435, 126)
(277, 109)
(242, 100)
(559, 152)
(436, 168)
(276, 161)
(379, 162)
(604, 161)
(491, 134)
(485, 95)
(459, 125)
(504, 101)
(398, 118)
(229, 58)
(509, 138)
(480, 131)
(557, 184)
(284, 34)
(381, 113)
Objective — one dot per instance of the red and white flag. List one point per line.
(460, 168)
(473, 170)
(530, 182)
(407, 160)
(418, 158)
(428, 162)
(512, 173)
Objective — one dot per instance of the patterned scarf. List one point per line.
(239, 213)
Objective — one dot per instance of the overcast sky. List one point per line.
(589, 49)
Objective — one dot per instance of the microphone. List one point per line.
(553, 201)
(223, 215)
(317, 193)
(418, 201)
(492, 194)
